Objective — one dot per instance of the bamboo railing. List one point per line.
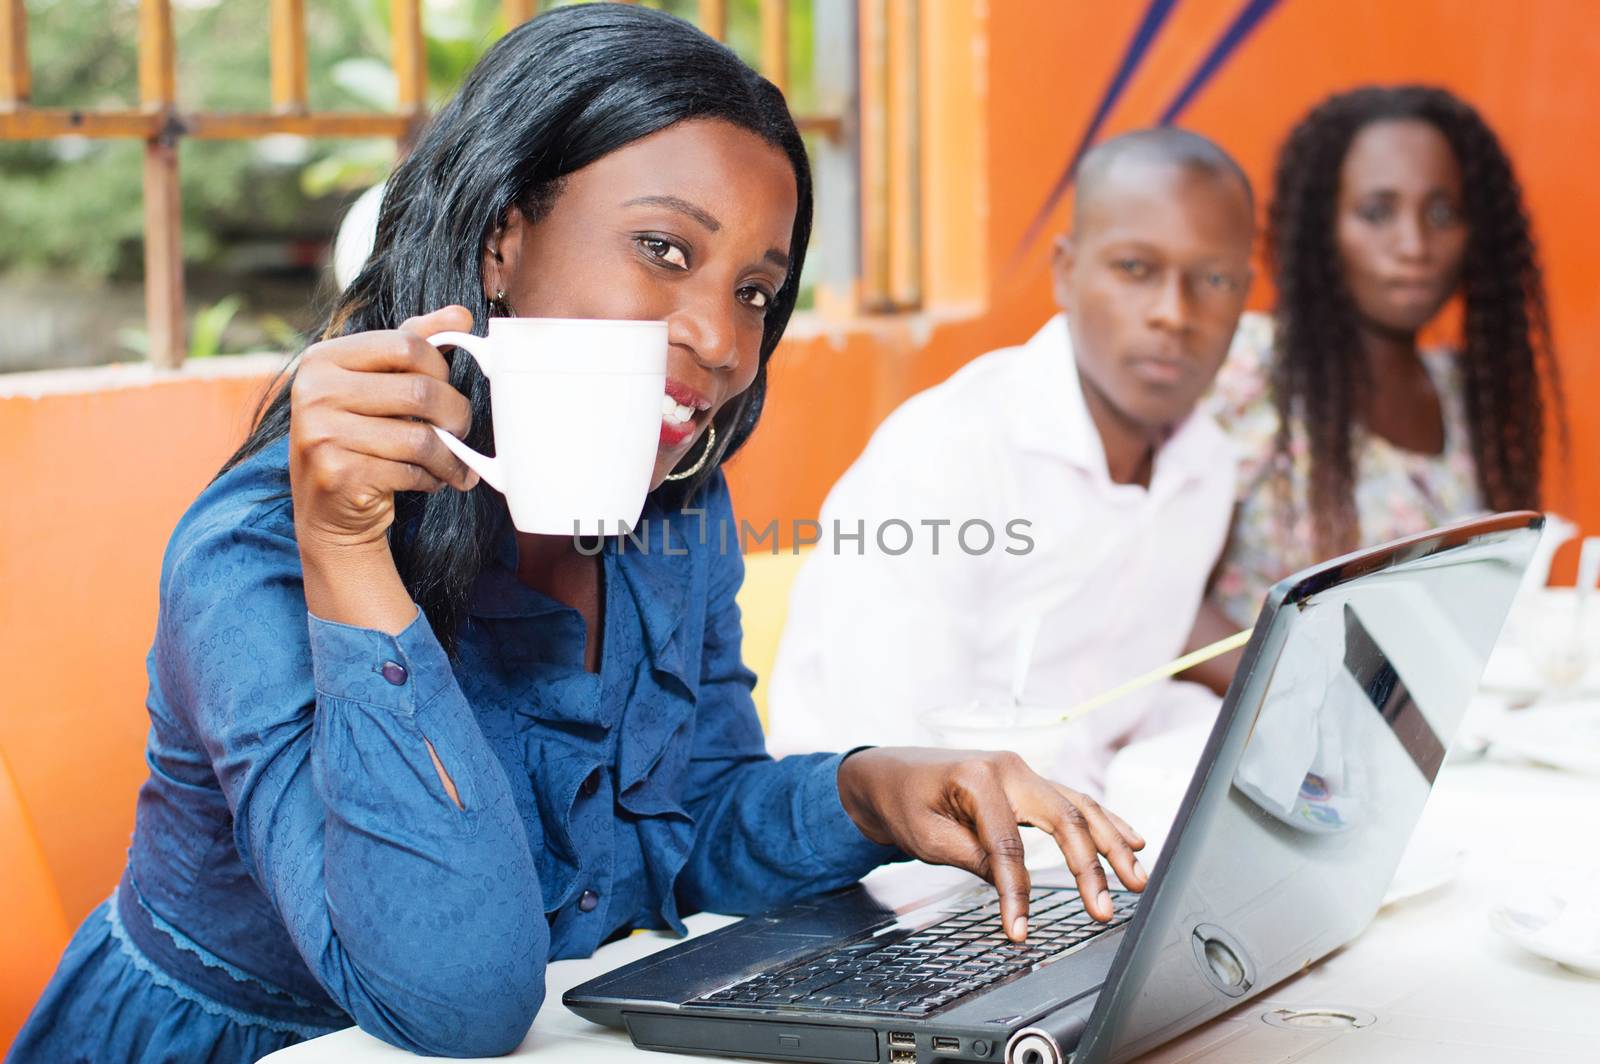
(888, 206)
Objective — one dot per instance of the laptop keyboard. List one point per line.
(913, 972)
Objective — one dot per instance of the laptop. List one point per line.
(1315, 774)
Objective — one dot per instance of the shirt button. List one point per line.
(394, 672)
(588, 901)
(591, 786)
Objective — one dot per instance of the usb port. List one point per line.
(948, 1044)
(902, 1038)
(902, 1056)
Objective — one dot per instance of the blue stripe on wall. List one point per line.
(1243, 24)
(1143, 36)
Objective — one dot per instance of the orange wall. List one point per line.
(96, 481)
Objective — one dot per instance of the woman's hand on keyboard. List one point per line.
(963, 808)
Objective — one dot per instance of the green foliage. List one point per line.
(205, 331)
(75, 206)
(280, 335)
(205, 335)
(455, 36)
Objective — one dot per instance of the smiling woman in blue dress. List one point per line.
(403, 755)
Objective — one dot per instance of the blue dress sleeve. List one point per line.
(424, 921)
(765, 830)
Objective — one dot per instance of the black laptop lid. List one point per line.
(1327, 746)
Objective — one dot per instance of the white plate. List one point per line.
(1562, 929)
(1428, 864)
(1560, 734)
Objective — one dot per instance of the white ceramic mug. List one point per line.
(576, 405)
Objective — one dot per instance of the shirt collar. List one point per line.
(1195, 447)
(1056, 419)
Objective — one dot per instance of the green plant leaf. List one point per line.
(135, 340)
(205, 335)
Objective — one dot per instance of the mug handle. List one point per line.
(478, 347)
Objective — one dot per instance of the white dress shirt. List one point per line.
(1113, 578)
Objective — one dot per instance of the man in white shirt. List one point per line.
(1066, 487)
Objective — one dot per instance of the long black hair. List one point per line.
(549, 98)
(1508, 367)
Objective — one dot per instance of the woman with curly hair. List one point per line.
(1388, 203)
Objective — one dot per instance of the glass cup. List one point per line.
(1559, 632)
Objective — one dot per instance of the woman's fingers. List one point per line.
(403, 442)
(1083, 835)
(1135, 839)
(1113, 835)
(390, 351)
(453, 318)
(963, 808)
(361, 428)
(359, 487)
(1066, 825)
(994, 823)
(408, 395)
(1103, 828)
(402, 350)
(1083, 831)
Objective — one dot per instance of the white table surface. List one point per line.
(1442, 985)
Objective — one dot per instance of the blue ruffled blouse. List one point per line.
(297, 864)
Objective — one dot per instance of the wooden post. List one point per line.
(163, 255)
(157, 82)
(410, 70)
(891, 150)
(289, 56)
(905, 154)
(876, 254)
(775, 42)
(836, 258)
(714, 18)
(163, 216)
(15, 78)
(516, 12)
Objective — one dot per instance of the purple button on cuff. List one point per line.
(394, 672)
(588, 901)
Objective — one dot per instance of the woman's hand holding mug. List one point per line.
(362, 409)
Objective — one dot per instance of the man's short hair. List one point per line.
(1161, 144)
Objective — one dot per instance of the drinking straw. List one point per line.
(1171, 668)
(1021, 662)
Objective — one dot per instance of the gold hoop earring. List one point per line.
(711, 445)
(498, 307)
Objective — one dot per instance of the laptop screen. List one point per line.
(1315, 776)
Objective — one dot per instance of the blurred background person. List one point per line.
(1089, 434)
(1388, 203)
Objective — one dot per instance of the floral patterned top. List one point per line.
(1398, 492)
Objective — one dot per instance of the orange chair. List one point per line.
(36, 926)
